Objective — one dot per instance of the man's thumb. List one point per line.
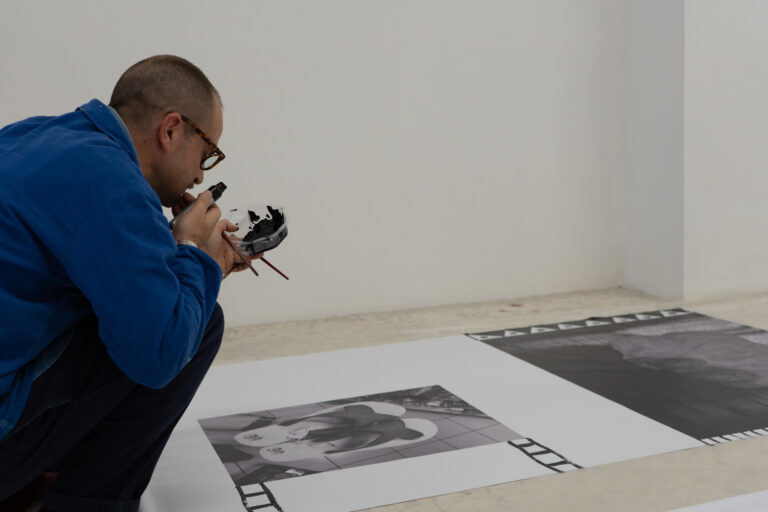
(203, 201)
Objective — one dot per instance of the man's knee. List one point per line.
(216, 322)
(214, 330)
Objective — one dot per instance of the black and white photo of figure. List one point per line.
(700, 375)
(294, 441)
(260, 227)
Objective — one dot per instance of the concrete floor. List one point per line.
(657, 483)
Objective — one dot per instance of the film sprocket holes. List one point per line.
(265, 224)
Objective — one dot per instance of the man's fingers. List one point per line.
(182, 202)
(224, 225)
(203, 201)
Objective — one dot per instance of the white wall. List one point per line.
(696, 126)
(726, 147)
(652, 185)
(429, 152)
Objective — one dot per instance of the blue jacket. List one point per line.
(82, 232)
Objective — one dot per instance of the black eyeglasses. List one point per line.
(212, 158)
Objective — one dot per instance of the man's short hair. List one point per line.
(155, 86)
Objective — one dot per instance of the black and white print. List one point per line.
(294, 441)
(700, 375)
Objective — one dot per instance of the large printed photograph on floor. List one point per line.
(290, 442)
(702, 376)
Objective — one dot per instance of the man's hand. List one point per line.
(181, 203)
(202, 224)
(239, 264)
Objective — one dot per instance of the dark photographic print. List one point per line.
(293, 441)
(702, 376)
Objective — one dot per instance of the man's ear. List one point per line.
(170, 131)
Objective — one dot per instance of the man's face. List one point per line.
(182, 170)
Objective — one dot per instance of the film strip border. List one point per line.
(544, 455)
(258, 497)
(590, 322)
(725, 438)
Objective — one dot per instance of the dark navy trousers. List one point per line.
(100, 431)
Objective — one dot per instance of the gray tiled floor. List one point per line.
(499, 433)
(468, 440)
(449, 428)
(427, 448)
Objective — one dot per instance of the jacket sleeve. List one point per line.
(152, 298)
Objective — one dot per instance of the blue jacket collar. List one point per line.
(104, 118)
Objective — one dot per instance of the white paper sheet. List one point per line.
(578, 424)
